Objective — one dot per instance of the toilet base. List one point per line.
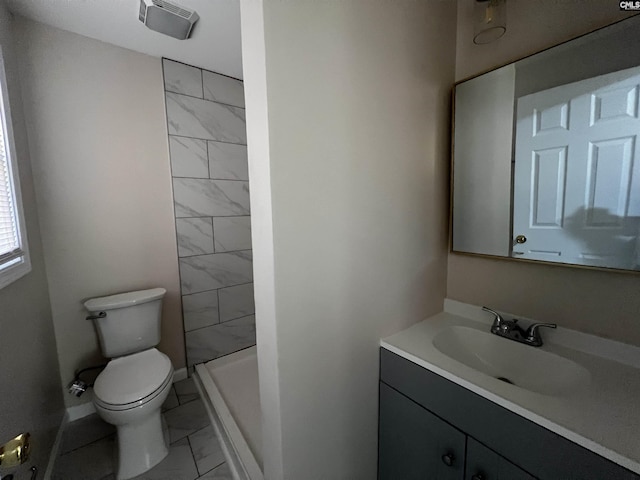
(141, 446)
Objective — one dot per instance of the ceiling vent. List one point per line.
(168, 18)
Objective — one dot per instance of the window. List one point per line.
(14, 254)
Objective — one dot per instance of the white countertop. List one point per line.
(603, 416)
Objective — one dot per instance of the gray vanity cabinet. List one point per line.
(483, 463)
(415, 444)
(424, 417)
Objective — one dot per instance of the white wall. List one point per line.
(603, 303)
(347, 118)
(482, 170)
(31, 399)
(98, 137)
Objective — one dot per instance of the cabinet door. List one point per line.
(485, 464)
(414, 444)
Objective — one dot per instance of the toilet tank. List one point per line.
(127, 322)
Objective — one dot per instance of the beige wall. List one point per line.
(532, 25)
(348, 169)
(604, 303)
(98, 137)
(31, 399)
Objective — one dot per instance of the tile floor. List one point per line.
(88, 444)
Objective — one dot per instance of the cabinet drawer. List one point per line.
(485, 464)
(414, 443)
(535, 449)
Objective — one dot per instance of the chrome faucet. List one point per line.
(511, 330)
(533, 337)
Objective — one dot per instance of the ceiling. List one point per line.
(214, 43)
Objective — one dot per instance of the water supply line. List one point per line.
(79, 386)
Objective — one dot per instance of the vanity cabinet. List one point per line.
(483, 463)
(432, 428)
(414, 443)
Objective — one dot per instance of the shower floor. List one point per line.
(231, 385)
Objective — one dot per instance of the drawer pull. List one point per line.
(478, 476)
(448, 459)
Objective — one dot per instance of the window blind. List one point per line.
(9, 234)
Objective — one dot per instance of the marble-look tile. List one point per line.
(192, 117)
(84, 431)
(186, 419)
(206, 449)
(181, 78)
(196, 197)
(195, 236)
(188, 157)
(171, 401)
(236, 302)
(232, 233)
(219, 473)
(179, 464)
(213, 342)
(228, 161)
(186, 390)
(95, 460)
(208, 272)
(200, 310)
(219, 88)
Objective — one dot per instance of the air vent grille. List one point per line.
(168, 18)
(173, 8)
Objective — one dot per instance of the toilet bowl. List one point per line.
(130, 391)
(129, 394)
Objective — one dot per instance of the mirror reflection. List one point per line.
(546, 162)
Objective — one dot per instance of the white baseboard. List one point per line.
(180, 374)
(53, 455)
(80, 411)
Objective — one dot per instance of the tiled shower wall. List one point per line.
(207, 143)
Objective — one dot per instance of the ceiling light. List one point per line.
(490, 20)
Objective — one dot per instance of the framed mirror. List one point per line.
(546, 155)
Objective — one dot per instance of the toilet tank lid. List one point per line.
(122, 300)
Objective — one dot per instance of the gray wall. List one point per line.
(31, 397)
(207, 141)
(616, 48)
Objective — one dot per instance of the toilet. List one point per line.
(131, 389)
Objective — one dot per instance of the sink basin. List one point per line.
(524, 366)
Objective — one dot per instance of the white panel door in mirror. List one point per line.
(577, 173)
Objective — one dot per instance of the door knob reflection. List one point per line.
(15, 451)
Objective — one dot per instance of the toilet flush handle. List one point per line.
(95, 317)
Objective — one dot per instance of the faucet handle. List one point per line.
(533, 334)
(498, 321)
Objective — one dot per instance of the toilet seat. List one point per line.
(133, 380)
